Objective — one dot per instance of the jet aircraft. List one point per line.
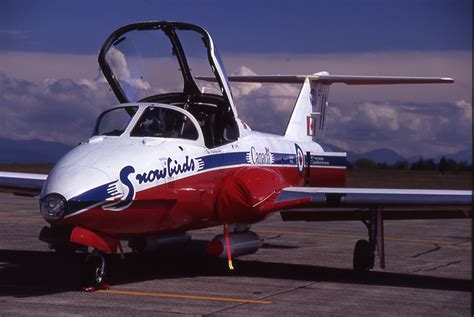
(174, 156)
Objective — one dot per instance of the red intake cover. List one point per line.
(244, 194)
(95, 240)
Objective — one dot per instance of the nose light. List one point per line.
(53, 207)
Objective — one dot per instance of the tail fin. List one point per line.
(307, 121)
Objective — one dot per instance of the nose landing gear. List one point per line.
(93, 272)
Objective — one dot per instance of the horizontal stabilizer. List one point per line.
(332, 79)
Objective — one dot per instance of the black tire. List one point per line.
(362, 260)
(92, 273)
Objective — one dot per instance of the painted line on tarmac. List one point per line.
(150, 294)
(335, 235)
(220, 299)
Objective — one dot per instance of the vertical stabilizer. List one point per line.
(308, 118)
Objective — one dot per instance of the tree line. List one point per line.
(444, 165)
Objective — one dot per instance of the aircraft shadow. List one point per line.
(35, 273)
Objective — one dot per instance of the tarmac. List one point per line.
(302, 269)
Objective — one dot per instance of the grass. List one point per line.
(369, 178)
(40, 168)
(380, 178)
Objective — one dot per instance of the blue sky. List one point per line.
(48, 62)
(247, 26)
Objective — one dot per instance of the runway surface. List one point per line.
(302, 269)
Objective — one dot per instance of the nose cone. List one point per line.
(85, 167)
(70, 181)
(93, 174)
(73, 189)
(81, 180)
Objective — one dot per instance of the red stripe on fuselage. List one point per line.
(187, 203)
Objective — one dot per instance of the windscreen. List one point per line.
(114, 122)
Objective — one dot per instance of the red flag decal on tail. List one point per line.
(310, 123)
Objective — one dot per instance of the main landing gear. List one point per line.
(364, 251)
(93, 272)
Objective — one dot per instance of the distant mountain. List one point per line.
(383, 155)
(379, 155)
(31, 151)
(461, 156)
(390, 157)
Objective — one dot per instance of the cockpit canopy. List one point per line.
(158, 62)
(148, 120)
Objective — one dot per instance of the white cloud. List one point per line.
(243, 89)
(466, 109)
(265, 107)
(118, 64)
(60, 110)
(381, 117)
(417, 119)
(457, 64)
(410, 129)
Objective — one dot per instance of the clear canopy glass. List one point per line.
(114, 122)
(165, 123)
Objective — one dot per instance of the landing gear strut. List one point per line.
(93, 272)
(364, 251)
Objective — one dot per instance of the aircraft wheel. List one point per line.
(93, 273)
(362, 256)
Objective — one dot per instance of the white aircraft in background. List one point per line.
(157, 166)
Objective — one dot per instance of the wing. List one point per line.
(326, 204)
(23, 184)
(372, 207)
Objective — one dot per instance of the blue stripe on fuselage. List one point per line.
(284, 159)
(238, 158)
(332, 161)
(88, 198)
(223, 159)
